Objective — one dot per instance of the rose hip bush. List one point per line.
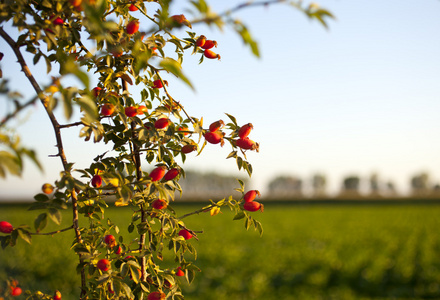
(121, 44)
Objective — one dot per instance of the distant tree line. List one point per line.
(198, 185)
(352, 186)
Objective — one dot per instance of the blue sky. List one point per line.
(360, 97)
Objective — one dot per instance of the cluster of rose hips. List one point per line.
(214, 135)
(207, 45)
(15, 289)
(250, 204)
(105, 265)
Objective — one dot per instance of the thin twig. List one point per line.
(56, 126)
(53, 232)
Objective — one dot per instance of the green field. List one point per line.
(342, 251)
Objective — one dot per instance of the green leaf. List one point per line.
(239, 215)
(175, 68)
(40, 222)
(89, 107)
(55, 215)
(41, 197)
(247, 37)
(25, 235)
(232, 119)
(9, 162)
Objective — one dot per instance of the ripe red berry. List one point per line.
(110, 240)
(6, 227)
(181, 128)
(47, 188)
(209, 44)
(161, 123)
(96, 91)
(158, 173)
(132, 7)
(253, 206)
(156, 296)
(201, 41)
(58, 21)
(57, 295)
(178, 20)
(142, 109)
(171, 174)
(97, 181)
(103, 264)
(245, 130)
(188, 148)
(131, 111)
(250, 196)
(118, 250)
(157, 84)
(16, 291)
(132, 27)
(159, 204)
(214, 137)
(110, 288)
(211, 54)
(216, 125)
(107, 109)
(179, 272)
(246, 144)
(185, 234)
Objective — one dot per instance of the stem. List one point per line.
(56, 126)
(137, 161)
(17, 110)
(52, 232)
(237, 8)
(205, 209)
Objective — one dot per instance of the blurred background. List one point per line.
(354, 104)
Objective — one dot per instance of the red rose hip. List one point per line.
(132, 27)
(16, 291)
(253, 206)
(6, 227)
(131, 111)
(97, 181)
(161, 123)
(103, 264)
(246, 144)
(188, 148)
(171, 174)
(245, 130)
(110, 240)
(216, 125)
(180, 272)
(159, 204)
(209, 44)
(158, 173)
(107, 109)
(156, 296)
(214, 137)
(211, 54)
(250, 196)
(185, 234)
(57, 295)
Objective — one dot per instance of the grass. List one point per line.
(307, 252)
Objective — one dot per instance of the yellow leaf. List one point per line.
(112, 181)
(121, 202)
(215, 210)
